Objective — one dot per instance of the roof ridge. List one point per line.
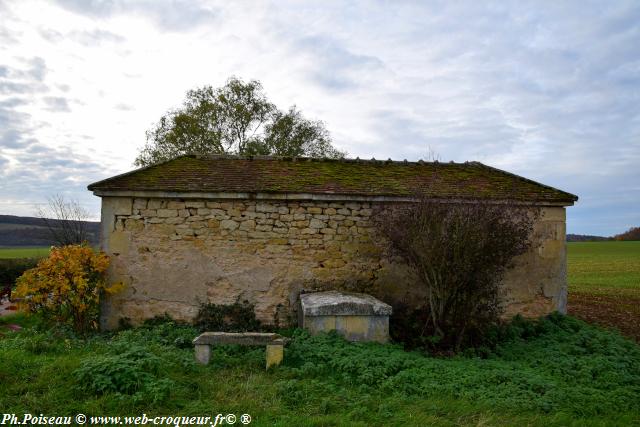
(316, 159)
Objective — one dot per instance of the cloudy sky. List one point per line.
(547, 90)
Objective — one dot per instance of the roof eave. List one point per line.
(327, 197)
(93, 186)
(570, 197)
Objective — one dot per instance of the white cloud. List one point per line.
(547, 92)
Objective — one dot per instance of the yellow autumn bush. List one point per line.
(66, 287)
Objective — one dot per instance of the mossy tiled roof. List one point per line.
(229, 174)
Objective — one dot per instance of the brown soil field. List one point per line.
(621, 312)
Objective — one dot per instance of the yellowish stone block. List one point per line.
(356, 325)
(274, 355)
(119, 242)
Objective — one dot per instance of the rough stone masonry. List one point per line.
(177, 249)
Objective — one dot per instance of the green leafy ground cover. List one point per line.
(559, 371)
(611, 268)
(16, 252)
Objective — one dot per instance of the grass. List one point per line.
(611, 268)
(559, 371)
(14, 252)
(604, 284)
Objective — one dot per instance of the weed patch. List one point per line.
(556, 371)
(557, 363)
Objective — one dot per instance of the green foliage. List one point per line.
(161, 330)
(234, 119)
(556, 371)
(557, 363)
(133, 372)
(238, 317)
(291, 135)
(134, 361)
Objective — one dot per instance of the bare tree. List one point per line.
(65, 219)
(460, 252)
(432, 155)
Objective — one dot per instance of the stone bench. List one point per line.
(275, 344)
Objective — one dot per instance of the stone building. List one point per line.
(226, 229)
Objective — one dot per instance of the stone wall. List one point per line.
(174, 254)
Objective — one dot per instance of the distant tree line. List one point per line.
(585, 238)
(631, 234)
(61, 222)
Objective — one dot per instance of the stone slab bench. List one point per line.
(274, 342)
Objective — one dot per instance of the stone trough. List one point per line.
(357, 317)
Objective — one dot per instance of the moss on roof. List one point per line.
(230, 174)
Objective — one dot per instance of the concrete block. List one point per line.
(203, 353)
(554, 214)
(119, 243)
(357, 317)
(121, 205)
(274, 355)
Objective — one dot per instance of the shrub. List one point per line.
(407, 325)
(66, 287)
(460, 252)
(227, 318)
(11, 269)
